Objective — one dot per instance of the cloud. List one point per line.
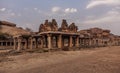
(35, 8)
(63, 10)
(111, 17)
(2, 9)
(19, 14)
(9, 14)
(109, 20)
(94, 3)
(70, 10)
(12, 14)
(56, 9)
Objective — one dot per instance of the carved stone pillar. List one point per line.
(42, 40)
(84, 42)
(5, 43)
(77, 41)
(36, 42)
(1, 43)
(70, 41)
(26, 44)
(10, 43)
(90, 42)
(49, 41)
(19, 44)
(60, 41)
(15, 44)
(31, 43)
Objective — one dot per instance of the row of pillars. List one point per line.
(17, 43)
(6, 43)
(60, 41)
(49, 41)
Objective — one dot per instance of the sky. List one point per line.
(84, 13)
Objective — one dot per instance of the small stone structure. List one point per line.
(50, 37)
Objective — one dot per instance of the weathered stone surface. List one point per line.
(11, 29)
(54, 25)
(64, 26)
(41, 28)
(72, 28)
(7, 23)
(96, 32)
(49, 26)
(44, 27)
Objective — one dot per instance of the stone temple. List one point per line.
(52, 37)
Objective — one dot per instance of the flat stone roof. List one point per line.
(58, 32)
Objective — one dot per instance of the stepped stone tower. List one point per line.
(64, 26)
(73, 28)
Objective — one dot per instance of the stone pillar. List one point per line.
(90, 42)
(46, 42)
(10, 43)
(70, 41)
(49, 41)
(1, 43)
(77, 41)
(31, 43)
(26, 44)
(19, 44)
(56, 41)
(60, 41)
(41, 43)
(5, 43)
(15, 44)
(84, 40)
(36, 42)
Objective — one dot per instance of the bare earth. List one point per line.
(98, 60)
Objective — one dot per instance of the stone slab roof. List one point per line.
(7, 23)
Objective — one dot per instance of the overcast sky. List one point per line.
(85, 13)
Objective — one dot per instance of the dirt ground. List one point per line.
(98, 60)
